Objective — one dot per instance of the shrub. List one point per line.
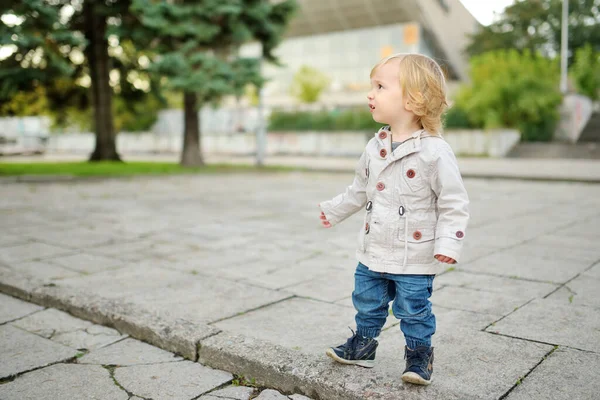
(338, 120)
(515, 90)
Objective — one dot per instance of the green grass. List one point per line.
(108, 168)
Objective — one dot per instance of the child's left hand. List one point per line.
(444, 259)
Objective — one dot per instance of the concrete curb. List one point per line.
(175, 335)
(270, 365)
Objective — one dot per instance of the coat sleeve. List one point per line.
(353, 199)
(452, 204)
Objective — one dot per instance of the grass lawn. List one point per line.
(109, 168)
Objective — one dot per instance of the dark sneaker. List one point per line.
(358, 350)
(419, 365)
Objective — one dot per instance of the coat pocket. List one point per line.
(419, 243)
(413, 175)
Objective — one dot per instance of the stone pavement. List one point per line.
(235, 272)
(49, 354)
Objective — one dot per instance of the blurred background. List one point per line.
(187, 78)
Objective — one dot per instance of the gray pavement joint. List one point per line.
(504, 316)
(111, 372)
(564, 284)
(522, 378)
(253, 309)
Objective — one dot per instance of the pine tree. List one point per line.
(198, 43)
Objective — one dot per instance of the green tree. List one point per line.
(198, 45)
(515, 90)
(63, 45)
(308, 84)
(585, 72)
(535, 25)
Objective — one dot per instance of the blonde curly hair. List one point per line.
(424, 85)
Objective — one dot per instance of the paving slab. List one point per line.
(548, 380)
(270, 394)
(87, 263)
(449, 320)
(44, 270)
(594, 271)
(31, 251)
(63, 328)
(12, 308)
(589, 254)
(496, 303)
(554, 322)
(73, 237)
(128, 352)
(490, 363)
(64, 381)
(299, 397)
(331, 286)
(207, 299)
(22, 351)
(171, 381)
(125, 282)
(303, 271)
(489, 283)
(583, 290)
(231, 392)
(509, 263)
(302, 325)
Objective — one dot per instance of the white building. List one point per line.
(345, 38)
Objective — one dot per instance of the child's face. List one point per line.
(385, 97)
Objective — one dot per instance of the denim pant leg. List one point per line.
(371, 298)
(413, 308)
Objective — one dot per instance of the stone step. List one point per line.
(591, 132)
(589, 150)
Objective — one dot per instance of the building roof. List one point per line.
(445, 22)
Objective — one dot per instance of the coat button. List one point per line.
(401, 211)
(380, 186)
(460, 234)
(411, 173)
(383, 153)
(369, 205)
(417, 235)
(382, 135)
(367, 227)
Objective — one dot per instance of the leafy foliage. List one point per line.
(347, 120)
(536, 26)
(515, 90)
(585, 72)
(308, 84)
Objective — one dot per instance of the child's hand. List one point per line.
(444, 259)
(324, 221)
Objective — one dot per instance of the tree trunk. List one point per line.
(191, 156)
(99, 64)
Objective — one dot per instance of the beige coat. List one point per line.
(415, 204)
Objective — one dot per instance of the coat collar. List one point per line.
(409, 146)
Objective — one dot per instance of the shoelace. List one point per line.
(350, 346)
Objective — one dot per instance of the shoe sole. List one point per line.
(360, 363)
(414, 378)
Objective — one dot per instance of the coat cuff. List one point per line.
(448, 246)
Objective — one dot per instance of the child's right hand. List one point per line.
(324, 221)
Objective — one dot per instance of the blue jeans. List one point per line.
(372, 294)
